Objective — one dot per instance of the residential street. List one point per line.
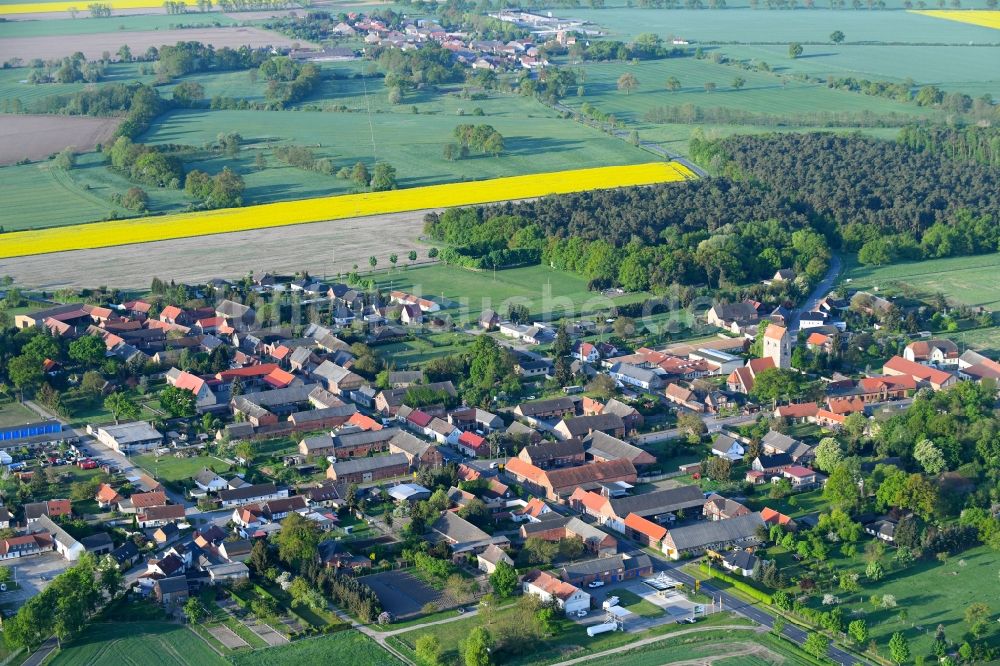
(821, 290)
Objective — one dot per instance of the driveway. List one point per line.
(821, 290)
(33, 573)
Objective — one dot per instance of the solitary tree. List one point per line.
(121, 407)
(836, 37)
(393, 258)
(504, 580)
(794, 50)
(412, 256)
(673, 84)
(709, 86)
(899, 649)
(372, 261)
(627, 82)
(739, 82)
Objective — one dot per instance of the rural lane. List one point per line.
(657, 639)
(821, 290)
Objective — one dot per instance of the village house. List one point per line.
(741, 380)
(725, 445)
(569, 598)
(718, 507)
(613, 569)
(601, 447)
(716, 535)
(553, 527)
(461, 536)
(638, 377)
(364, 470)
(549, 454)
(246, 494)
(582, 426)
(155, 516)
(734, 317)
(556, 484)
(939, 352)
(660, 506)
(644, 531)
(922, 374)
(488, 560)
(545, 410)
(419, 454)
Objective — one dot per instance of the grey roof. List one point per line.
(603, 565)
(741, 559)
(542, 406)
(301, 355)
(368, 464)
(172, 585)
(494, 554)
(248, 492)
(410, 444)
(126, 551)
(602, 445)
(332, 372)
(275, 397)
(99, 540)
(458, 531)
(723, 442)
(635, 372)
(207, 476)
(318, 442)
(544, 451)
(46, 524)
(615, 406)
(779, 441)
(659, 501)
(707, 532)
(407, 491)
(232, 309)
(350, 438)
(137, 431)
(324, 413)
(582, 425)
(227, 569)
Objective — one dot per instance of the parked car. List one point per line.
(594, 584)
(581, 613)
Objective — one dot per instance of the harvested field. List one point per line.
(37, 137)
(94, 45)
(321, 248)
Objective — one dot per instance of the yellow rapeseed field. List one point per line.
(984, 18)
(185, 225)
(62, 6)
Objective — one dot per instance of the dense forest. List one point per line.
(783, 201)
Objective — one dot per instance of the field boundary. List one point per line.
(285, 213)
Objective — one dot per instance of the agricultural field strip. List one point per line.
(123, 232)
(46, 7)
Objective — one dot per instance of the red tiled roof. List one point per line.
(589, 500)
(552, 585)
(280, 352)
(797, 411)
(419, 418)
(59, 507)
(847, 405)
(193, 383)
(472, 440)
(171, 312)
(647, 527)
(770, 516)
(107, 494)
(900, 365)
(278, 378)
(248, 371)
(775, 332)
(817, 338)
(145, 500)
(359, 420)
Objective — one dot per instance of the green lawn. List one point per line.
(739, 24)
(968, 280)
(543, 290)
(346, 647)
(14, 413)
(148, 643)
(793, 505)
(637, 604)
(14, 85)
(420, 350)
(171, 468)
(571, 641)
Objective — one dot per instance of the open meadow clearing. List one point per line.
(762, 93)
(137, 644)
(14, 413)
(37, 137)
(14, 83)
(143, 230)
(967, 280)
(542, 289)
(94, 44)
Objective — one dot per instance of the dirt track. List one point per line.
(93, 46)
(37, 137)
(322, 248)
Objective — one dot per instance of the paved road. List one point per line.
(40, 655)
(713, 424)
(821, 290)
(731, 603)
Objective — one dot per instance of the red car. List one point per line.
(87, 464)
